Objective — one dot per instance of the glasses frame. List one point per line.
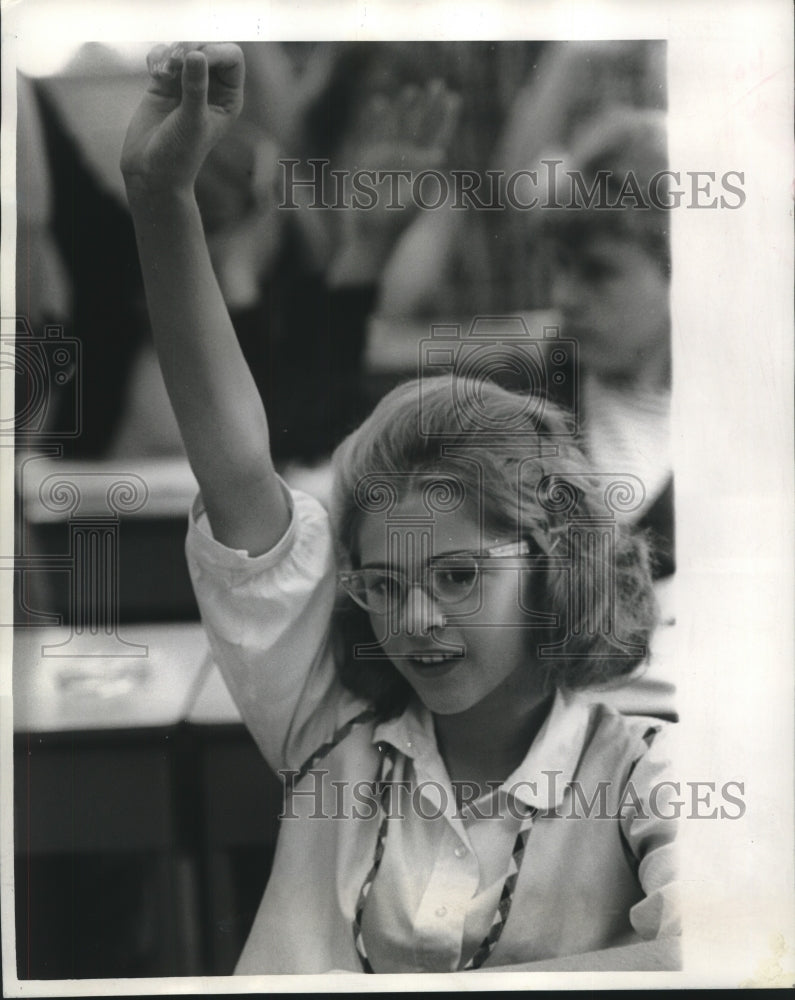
(503, 550)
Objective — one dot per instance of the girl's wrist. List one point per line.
(146, 198)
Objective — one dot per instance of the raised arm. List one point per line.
(194, 96)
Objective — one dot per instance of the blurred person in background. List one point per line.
(610, 284)
(610, 272)
(461, 263)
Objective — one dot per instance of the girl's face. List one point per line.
(613, 297)
(454, 655)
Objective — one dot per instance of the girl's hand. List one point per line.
(195, 95)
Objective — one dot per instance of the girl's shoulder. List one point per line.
(608, 717)
(624, 740)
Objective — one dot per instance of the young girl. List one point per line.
(451, 803)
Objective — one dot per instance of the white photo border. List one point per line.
(731, 108)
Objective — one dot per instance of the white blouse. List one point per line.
(598, 866)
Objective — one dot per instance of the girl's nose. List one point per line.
(421, 613)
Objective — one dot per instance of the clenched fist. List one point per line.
(194, 95)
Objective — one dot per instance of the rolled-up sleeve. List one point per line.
(268, 619)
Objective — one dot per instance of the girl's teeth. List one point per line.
(431, 659)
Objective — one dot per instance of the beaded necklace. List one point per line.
(383, 782)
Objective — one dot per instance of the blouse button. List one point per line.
(441, 911)
(460, 851)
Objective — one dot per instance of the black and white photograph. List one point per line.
(397, 487)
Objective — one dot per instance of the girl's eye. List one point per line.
(380, 585)
(455, 579)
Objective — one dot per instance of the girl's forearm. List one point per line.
(212, 391)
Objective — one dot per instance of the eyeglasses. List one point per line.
(448, 579)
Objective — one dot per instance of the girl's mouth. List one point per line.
(434, 664)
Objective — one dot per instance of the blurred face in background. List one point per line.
(613, 298)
